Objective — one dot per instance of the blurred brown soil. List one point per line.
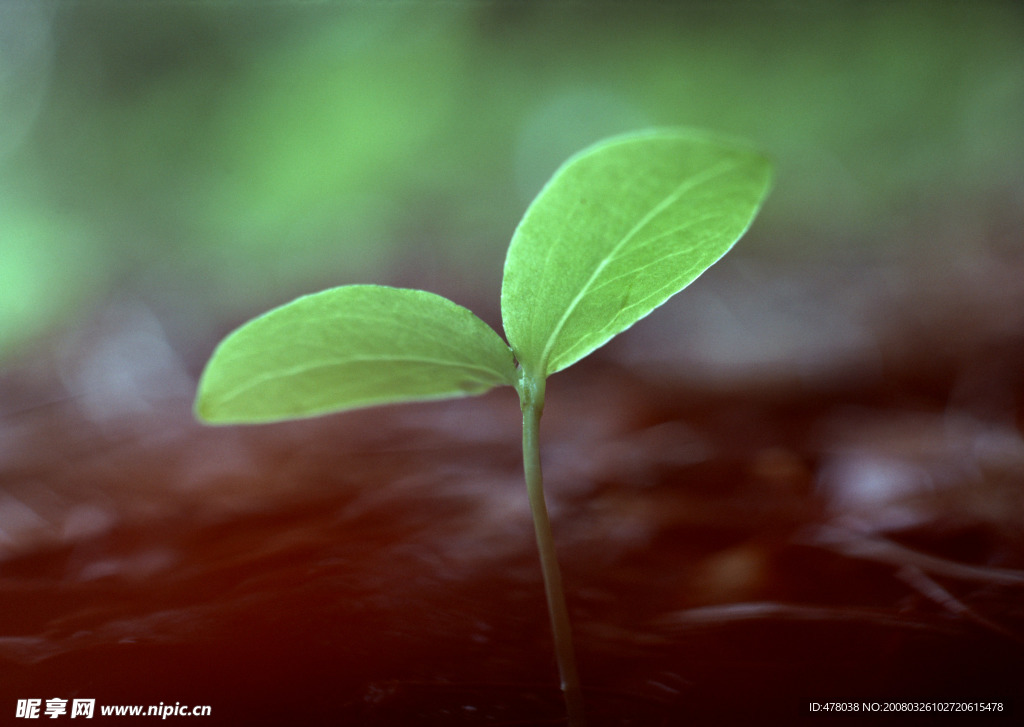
(737, 540)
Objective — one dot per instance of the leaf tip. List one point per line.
(202, 410)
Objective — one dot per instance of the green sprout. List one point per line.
(621, 227)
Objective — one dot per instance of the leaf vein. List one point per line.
(685, 186)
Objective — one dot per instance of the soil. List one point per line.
(822, 503)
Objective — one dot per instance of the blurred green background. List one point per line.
(214, 158)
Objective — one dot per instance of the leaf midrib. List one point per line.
(684, 187)
(301, 369)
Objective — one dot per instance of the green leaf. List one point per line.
(350, 347)
(620, 228)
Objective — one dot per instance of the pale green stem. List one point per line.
(531, 396)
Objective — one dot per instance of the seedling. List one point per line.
(620, 228)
